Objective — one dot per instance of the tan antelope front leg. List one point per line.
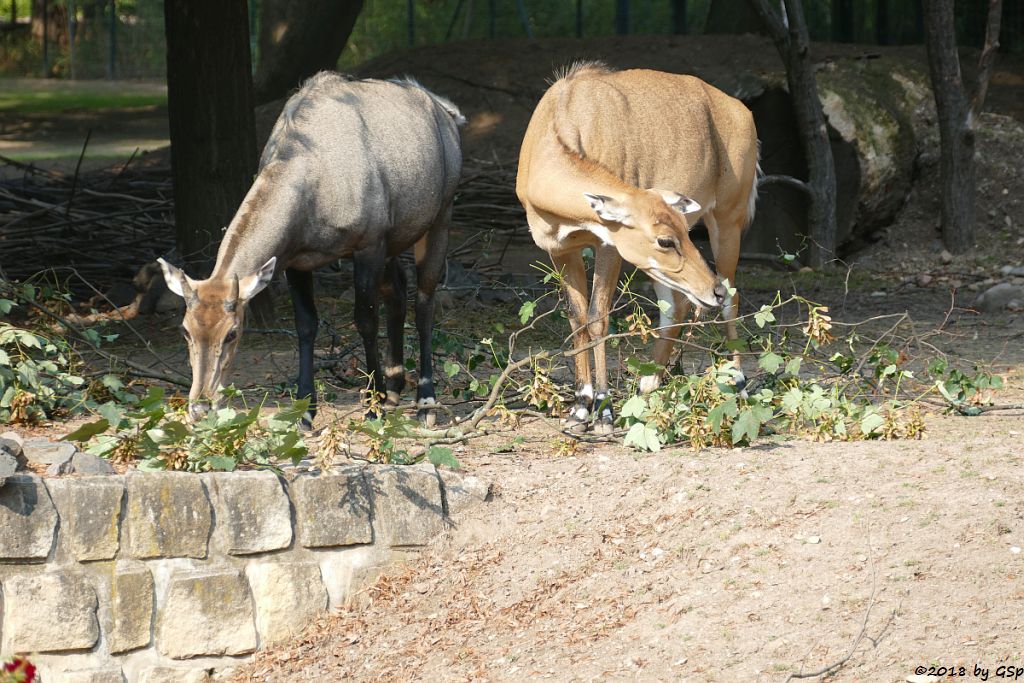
(607, 265)
(574, 285)
(669, 326)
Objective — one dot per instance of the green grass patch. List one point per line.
(62, 99)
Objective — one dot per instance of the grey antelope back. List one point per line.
(353, 168)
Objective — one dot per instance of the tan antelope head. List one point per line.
(212, 327)
(649, 229)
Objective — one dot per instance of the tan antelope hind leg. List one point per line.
(574, 284)
(725, 245)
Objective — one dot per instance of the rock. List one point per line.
(332, 508)
(105, 675)
(208, 613)
(131, 607)
(463, 492)
(81, 463)
(45, 452)
(924, 279)
(407, 504)
(168, 515)
(90, 514)
(27, 520)
(173, 674)
(8, 466)
(1012, 271)
(288, 596)
(945, 256)
(999, 297)
(49, 612)
(252, 512)
(12, 444)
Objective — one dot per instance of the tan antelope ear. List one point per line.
(608, 209)
(177, 281)
(680, 202)
(251, 285)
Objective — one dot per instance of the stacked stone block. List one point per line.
(172, 576)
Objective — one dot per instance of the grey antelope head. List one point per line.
(214, 317)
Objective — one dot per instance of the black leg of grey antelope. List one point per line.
(574, 286)
(430, 254)
(300, 284)
(607, 264)
(393, 290)
(368, 265)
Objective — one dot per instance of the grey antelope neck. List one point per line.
(363, 169)
(625, 162)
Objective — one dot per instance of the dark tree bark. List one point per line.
(679, 26)
(213, 128)
(299, 38)
(733, 16)
(793, 44)
(842, 21)
(956, 114)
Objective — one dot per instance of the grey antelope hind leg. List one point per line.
(430, 253)
(393, 288)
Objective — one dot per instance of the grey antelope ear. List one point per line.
(251, 285)
(679, 202)
(608, 209)
(178, 282)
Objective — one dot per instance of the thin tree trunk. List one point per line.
(733, 16)
(679, 26)
(988, 54)
(298, 38)
(955, 132)
(842, 21)
(212, 125)
(793, 44)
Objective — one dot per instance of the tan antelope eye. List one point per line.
(184, 333)
(667, 242)
(232, 336)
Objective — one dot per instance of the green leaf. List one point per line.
(746, 427)
(5, 306)
(4, 358)
(88, 430)
(792, 400)
(642, 367)
(870, 423)
(764, 316)
(440, 456)
(152, 465)
(112, 412)
(526, 311)
(451, 368)
(770, 362)
(793, 366)
(221, 463)
(720, 412)
(643, 438)
(634, 407)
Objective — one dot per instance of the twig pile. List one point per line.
(105, 223)
(108, 223)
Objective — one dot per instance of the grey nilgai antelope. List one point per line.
(626, 162)
(353, 168)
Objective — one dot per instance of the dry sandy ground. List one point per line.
(724, 565)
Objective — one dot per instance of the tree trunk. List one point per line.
(792, 40)
(298, 38)
(882, 22)
(679, 26)
(842, 21)
(955, 133)
(733, 16)
(212, 125)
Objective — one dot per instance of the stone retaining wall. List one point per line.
(173, 577)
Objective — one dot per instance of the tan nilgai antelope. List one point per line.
(625, 162)
(361, 169)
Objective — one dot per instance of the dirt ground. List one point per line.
(746, 564)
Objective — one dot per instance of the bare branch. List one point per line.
(988, 55)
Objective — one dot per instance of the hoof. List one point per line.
(426, 411)
(741, 385)
(604, 426)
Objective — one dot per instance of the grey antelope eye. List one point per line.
(667, 242)
(232, 336)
